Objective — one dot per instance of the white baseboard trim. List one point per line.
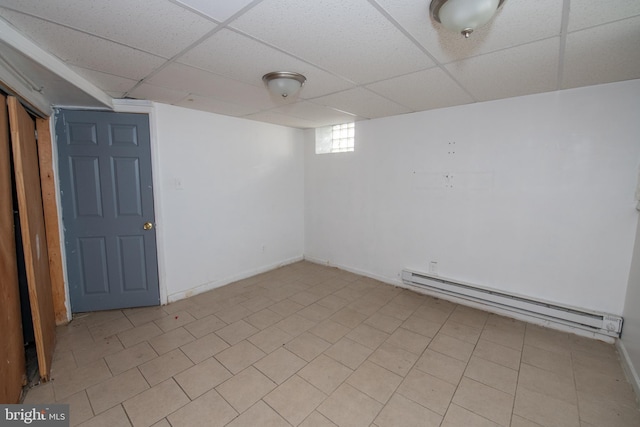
(629, 369)
(205, 287)
(359, 272)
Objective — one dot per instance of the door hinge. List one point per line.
(36, 133)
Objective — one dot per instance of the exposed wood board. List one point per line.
(12, 368)
(50, 206)
(34, 239)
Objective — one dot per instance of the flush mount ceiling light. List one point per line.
(463, 16)
(284, 83)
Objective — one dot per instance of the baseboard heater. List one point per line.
(602, 323)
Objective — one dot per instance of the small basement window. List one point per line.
(336, 138)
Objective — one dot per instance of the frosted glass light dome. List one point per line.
(464, 16)
(284, 83)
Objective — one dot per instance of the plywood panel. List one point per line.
(12, 368)
(50, 206)
(34, 238)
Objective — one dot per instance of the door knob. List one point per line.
(147, 226)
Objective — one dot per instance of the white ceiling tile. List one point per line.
(347, 37)
(158, 94)
(362, 102)
(317, 113)
(84, 50)
(204, 83)
(220, 10)
(215, 106)
(513, 25)
(603, 54)
(283, 120)
(424, 90)
(587, 13)
(106, 82)
(155, 26)
(522, 70)
(248, 60)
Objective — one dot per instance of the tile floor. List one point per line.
(315, 346)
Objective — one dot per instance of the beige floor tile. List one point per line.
(205, 347)
(485, 401)
(231, 314)
(260, 411)
(511, 339)
(114, 417)
(325, 373)
(375, 381)
(181, 305)
(441, 366)
(462, 332)
(497, 353)
(545, 410)
(368, 336)
(170, 340)
(518, 421)
(164, 367)
(308, 346)
(209, 410)
(348, 317)
(202, 377)
(79, 337)
(400, 312)
(156, 403)
(408, 340)
(108, 329)
(602, 364)
(401, 411)
(62, 361)
(349, 353)
(140, 316)
(79, 379)
(558, 363)
(130, 358)
(427, 390)
(469, 316)
(280, 365)
(294, 325)
(257, 303)
(41, 393)
(494, 375)
(200, 310)
(316, 419)
(116, 390)
(365, 307)
(433, 305)
(237, 357)
(594, 347)
(286, 307)
(395, 359)
(452, 347)
(79, 408)
(330, 331)
(97, 350)
(548, 383)
(609, 412)
(316, 312)
(246, 388)
(547, 339)
(264, 318)
(333, 302)
(295, 399)
(236, 332)
(349, 407)
(383, 322)
(603, 387)
(97, 317)
(457, 417)
(305, 298)
(134, 336)
(174, 321)
(204, 326)
(270, 339)
(422, 326)
(506, 323)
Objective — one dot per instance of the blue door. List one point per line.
(107, 209)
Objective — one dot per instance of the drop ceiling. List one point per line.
(363, 59)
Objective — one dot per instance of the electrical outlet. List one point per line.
(433, 267)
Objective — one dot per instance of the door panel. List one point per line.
(107, 197)
(12, 370)
(34, 239)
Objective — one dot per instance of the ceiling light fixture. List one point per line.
(284, 83)
(464, 16)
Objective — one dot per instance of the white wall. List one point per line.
(230, 200)
(631, 329)
(541, 202)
